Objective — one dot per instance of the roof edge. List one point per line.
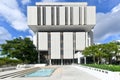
(61, 3)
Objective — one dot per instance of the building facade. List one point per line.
(62, 30)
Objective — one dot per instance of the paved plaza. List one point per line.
(62, 73)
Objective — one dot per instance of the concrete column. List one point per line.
(61, 61)
(38, 56)
(49, 48)
(86, 39)
(38, 48)
(84, 60)
(79, 58)
(91, 37)
(74, 45)
(50, 62)
(61, 47)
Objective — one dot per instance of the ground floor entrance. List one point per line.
(63, 61)
(45, 57)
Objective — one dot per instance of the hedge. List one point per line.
(105, 67)
(9, 62)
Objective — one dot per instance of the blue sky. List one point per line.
(13, 19)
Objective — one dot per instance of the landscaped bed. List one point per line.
(115, 68)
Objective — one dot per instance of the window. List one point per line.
(71, 15)
(44, 16)
(57, 15)
(66, 15)
(39, 15)
(52, 15)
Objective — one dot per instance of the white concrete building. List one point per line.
(62, 30)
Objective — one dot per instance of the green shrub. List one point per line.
(2, 62)
(105, 67)
(9, 62)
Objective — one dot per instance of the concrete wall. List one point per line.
(80, 40)
(43, 41)
(87, 39)
(32, 15)
(55, 16)
(62, 15)
(35, 39)
(55, 45)
(82, 15)
(75, 15)
(90, 17)
(68, 45)
(91, 38)
(48, 16)
(83, 39)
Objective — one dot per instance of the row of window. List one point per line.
(60, 15)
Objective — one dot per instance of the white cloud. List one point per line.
(108, 25)
(116, 9)
(9, 9)
(4, 35)
(31, 38)
(24, 2)
(31, 32)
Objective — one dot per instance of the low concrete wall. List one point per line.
(39, 65)
(100, 73)
(19, 66)
(7, 69)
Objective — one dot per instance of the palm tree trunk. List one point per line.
(93, 59)
(99, 59)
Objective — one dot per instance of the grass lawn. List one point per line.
(115, 68)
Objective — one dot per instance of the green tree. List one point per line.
(107, 51)
(90, 51)
(112, 50)
(95, 51)
(100, 52)
(9, 62)
(19, 48)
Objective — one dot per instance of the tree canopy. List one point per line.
(19, 48)
(102, 51)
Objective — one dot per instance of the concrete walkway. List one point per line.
(63, 73)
